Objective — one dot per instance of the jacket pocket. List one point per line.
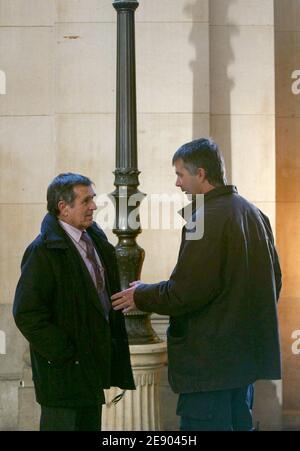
(175, 339)
(65, 382)
(178, 355)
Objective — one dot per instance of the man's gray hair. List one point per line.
(203, 153)
(61, 188)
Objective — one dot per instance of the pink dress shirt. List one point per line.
(75, 235)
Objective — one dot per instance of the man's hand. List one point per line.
(124, 300)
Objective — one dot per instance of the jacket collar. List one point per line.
(191, 208)
(220, 191)
(54, 235)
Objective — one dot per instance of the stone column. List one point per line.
(138, 410)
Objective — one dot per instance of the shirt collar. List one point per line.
(72, 231)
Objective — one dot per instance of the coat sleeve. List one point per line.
(193, 284)
(32, 309)
(274, 255)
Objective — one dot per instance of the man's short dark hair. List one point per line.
(203, 153)
(61, 188)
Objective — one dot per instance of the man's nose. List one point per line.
(177, 182)
(93, 206)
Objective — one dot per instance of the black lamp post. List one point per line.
(130, 256)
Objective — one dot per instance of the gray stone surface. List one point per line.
(11, 363)
(267, 411)
(9, 405)
(29, 409)
(11, 368)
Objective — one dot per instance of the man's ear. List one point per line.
(62, 207)
(201, 173)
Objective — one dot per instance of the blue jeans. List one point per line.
(220, 410)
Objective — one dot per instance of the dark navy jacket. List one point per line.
(222, 300)
(75, 352)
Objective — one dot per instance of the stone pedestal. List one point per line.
(138, 410)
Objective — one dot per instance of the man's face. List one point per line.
(80, 215)
(189, 184)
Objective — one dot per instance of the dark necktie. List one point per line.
(90, 253)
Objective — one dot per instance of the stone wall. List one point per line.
(204, 67)
(287, 54)
(242, 107)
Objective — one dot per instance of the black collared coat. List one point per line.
(222, 299)
(75, 352)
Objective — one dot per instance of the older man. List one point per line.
(221, 298)
(78, 344)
